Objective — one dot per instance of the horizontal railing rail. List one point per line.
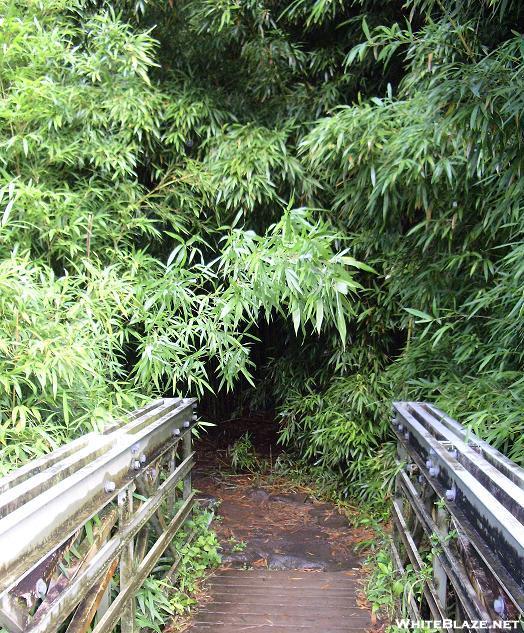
(75, 519)
(459, 512)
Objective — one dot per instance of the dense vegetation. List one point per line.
(175, 174)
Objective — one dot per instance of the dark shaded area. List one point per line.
(269, 340)
(212, 446)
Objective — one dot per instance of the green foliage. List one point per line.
(390, 592)
(242, 455)
(423, 173)
(76, 120)
(172, 179)
(153, 604)
(60, 374)
(159, 600)
(384, 586)
(342, 428)
(176, 181)
(123, 267)
(237, 546)
(281, 272)
(201, 554)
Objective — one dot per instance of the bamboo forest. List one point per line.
(299, 216)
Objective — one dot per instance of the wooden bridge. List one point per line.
(281, 602)
(458, 511)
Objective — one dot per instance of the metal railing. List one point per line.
(71, 522)
(459, 512)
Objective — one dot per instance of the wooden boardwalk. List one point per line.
(281, 602)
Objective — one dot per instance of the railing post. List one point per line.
(439, 575)
(402, 456)
(125, 511)
(10, 616)
(188, 449)
(172, 466)
(105, 601)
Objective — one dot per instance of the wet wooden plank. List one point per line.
(282, 601)
(317, 626)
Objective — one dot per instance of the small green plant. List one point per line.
(237, 546)
(158, 599)
(390, 592)
(242, 455)
(200, 554)
(153, 604)
(384, 586)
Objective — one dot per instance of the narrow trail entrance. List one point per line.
(289, 561)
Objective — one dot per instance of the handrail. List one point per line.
(77, 504)
(459, 507)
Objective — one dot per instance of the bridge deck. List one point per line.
(282, 602)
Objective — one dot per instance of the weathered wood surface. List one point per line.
(282, 601)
